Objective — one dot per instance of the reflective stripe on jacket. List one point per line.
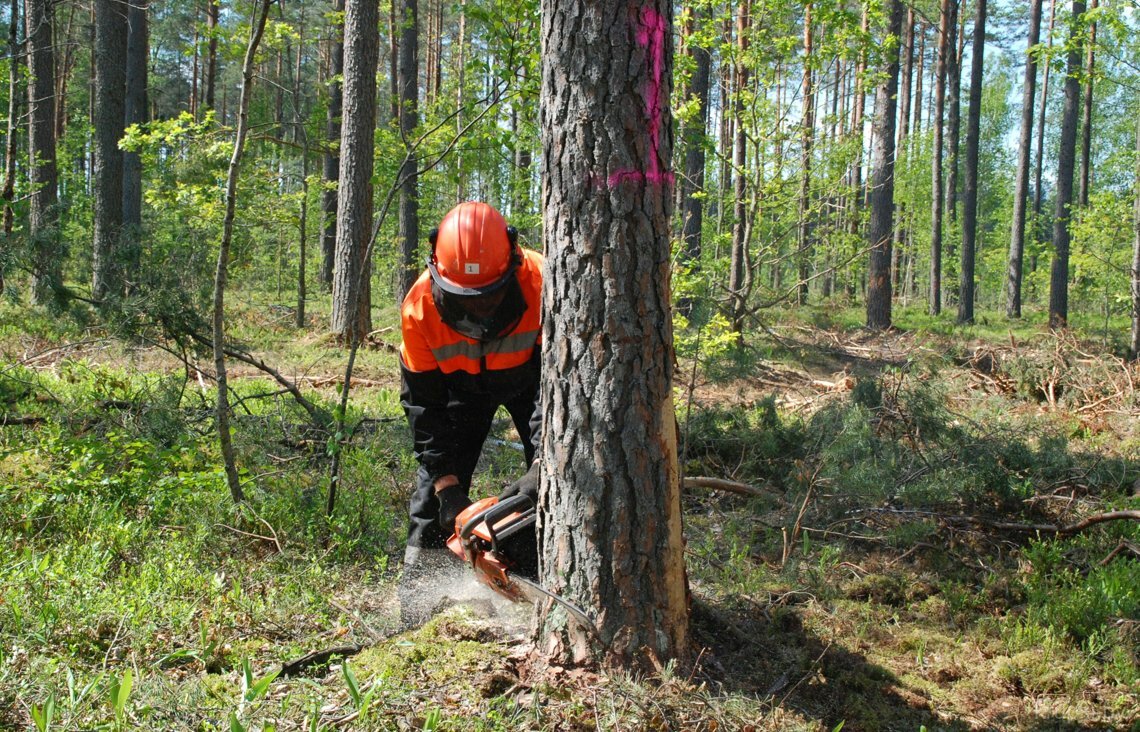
(445, 374)
(431, 344)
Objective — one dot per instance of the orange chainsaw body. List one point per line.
(486, 532)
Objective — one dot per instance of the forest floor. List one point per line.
(918, 553)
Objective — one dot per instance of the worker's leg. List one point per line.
(428, 565)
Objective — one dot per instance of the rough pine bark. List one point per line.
(408, 73)
(330, 160)
(352, 293)
(610, 502)
(1066, 160)
(135, 112)
(880, 227)
(1021, 177)
(107, 266)
(43, 204)
(970, 204)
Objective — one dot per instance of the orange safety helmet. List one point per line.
(473, 252)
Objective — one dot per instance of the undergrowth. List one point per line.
(897, 571)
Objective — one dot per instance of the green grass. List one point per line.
(134, 594)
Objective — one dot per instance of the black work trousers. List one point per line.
(474, 421)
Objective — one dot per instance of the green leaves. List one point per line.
(118, 693)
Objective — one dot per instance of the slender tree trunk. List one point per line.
(43, 213)
(857, 114)
(919, 74)
(807, 138)
(1066, 157)
(738, 268)
(460, 101)
(136, 106)
(9, 191)
(1038, 188)
(352, 295)
(330, 159)
(693, 181)
(952, 155)
(409, 74)
(973, 135)
(1134, 348)
(1021, 185)
(210, 72)
(953, 114)
(63, 68)
(607, 337)
(936, 202)
(110, 88)
(901, 147)
(1087, 116)
(222, 408)
(881, 226)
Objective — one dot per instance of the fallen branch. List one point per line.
(1123, 546)
(316, 658)
(729, 486)
(13, 420)
(267, 539)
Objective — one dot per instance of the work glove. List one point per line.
(452, 500)
(527, 485)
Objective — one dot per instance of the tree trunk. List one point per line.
(135, 112)
(330, 160)
(1087, 116)
(738, 268)
(222, 407)
(973, 134)
(352, 295)
(460, 102)
(936, 203)
(610, 531)
(905, 77)
(880, 228)
(210, 72)
(9, 191)
(693, 181)
(952, 161)
(1021, 185)
(43, 213)
(1134, 348)
(1066, 157)
(855, 219)
(1038, 188)
(409, 74)
(107, 264)
(916, 127)
(807, 132)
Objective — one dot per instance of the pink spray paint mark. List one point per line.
(650, 32)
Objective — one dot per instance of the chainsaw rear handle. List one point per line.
(494, 513)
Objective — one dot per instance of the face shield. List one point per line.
(484, 317)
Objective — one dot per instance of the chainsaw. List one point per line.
(499, 541)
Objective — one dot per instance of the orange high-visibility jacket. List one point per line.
(443, 370)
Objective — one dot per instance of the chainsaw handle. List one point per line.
(517, 503)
